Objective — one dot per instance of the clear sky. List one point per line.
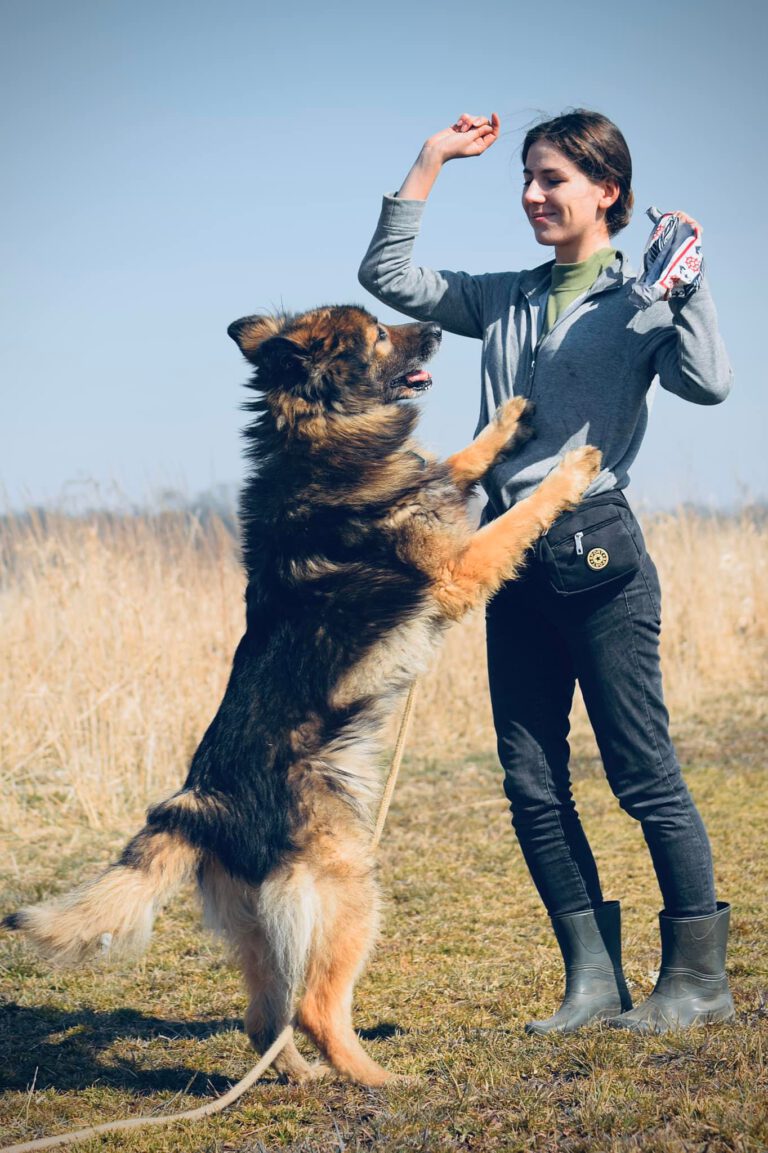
(169, 165)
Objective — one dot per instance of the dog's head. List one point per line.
(339, 359)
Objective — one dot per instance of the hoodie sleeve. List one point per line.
(452, 299)
(687, 350)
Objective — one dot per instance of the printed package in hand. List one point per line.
(672, 261)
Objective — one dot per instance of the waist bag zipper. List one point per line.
(579, 545)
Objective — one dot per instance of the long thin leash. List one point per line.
(394, 769)
(242, 1086)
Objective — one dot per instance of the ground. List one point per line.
(466, 957)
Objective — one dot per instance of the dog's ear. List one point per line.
(282, 363)
(250, 332)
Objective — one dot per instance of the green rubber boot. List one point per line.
(692, 988)
(594, 983)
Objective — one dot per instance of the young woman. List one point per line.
(567, 335)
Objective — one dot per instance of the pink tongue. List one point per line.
(417, 377)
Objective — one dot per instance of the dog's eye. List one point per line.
(383, 334)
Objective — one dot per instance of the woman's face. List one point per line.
(566, 209)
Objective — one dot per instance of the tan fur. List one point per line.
(472, 463)
(302, 939)
(400, 657)
(260, 330)
(113, 913)
(495, 553)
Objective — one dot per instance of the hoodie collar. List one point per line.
(534, 281)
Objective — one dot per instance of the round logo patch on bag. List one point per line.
(597, 558)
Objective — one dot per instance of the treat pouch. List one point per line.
(598, 543)
(672, 261)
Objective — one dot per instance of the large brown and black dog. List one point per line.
(358, 552)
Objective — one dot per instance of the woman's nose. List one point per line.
(532, 193)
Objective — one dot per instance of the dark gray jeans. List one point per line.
(539, 645)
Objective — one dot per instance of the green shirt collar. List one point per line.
(570, 281)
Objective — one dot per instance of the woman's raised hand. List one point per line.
(469, 136)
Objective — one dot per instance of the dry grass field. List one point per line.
(116, 635)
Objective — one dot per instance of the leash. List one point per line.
(242, 1086)
(394, 769)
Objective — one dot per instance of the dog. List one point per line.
(359, 552)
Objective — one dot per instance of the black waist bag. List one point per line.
(599, 542)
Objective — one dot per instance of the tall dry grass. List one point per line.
(116, 635)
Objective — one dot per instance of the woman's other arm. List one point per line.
(688, 354)
(694, 363)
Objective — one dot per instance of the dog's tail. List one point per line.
(114, 913)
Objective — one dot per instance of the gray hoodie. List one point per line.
(589, 375)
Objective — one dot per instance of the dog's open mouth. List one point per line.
(411, 383)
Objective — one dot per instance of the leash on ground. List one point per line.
(242, 1086)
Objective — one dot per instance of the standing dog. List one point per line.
(358, 553)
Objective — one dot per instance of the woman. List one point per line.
(567, 335)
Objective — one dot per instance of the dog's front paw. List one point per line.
(513, 418)
(580, 466)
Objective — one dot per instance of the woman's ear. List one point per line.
(610, 193)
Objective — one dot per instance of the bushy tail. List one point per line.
(113, 913)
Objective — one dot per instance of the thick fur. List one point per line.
(358, 552)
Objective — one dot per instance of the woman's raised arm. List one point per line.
(469, 136)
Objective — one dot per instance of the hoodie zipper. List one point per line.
(540, 342)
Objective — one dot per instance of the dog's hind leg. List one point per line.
(348, 929)
(271, 1008)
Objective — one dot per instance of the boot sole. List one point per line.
(663, 1026)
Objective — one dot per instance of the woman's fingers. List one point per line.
(493, 129)
(467, 136)
(467, 123)
(477, 133)
(688, 219)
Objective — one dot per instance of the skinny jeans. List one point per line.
(539, 645)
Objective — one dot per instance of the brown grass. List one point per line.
(117, 636)
(118, 633)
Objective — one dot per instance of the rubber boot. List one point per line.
(594, 983)
(692, 988)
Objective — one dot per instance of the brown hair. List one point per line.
(597, 148)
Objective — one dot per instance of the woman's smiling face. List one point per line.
(565, 207)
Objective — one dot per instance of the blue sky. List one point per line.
(170, 166)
